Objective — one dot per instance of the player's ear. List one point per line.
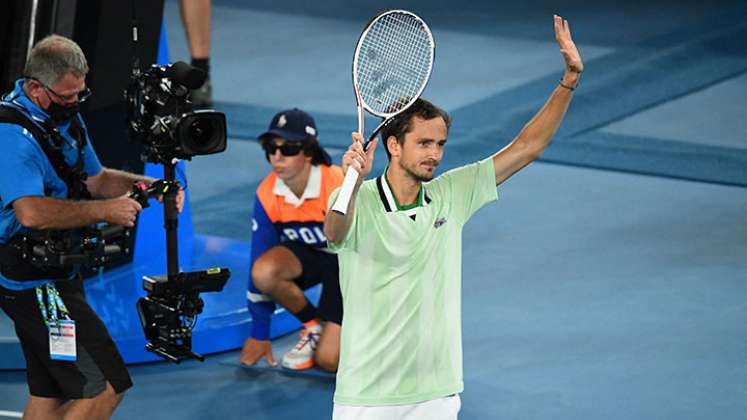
(393, 146)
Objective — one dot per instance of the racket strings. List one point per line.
(405, 37)
(409, 74)
(394, 62)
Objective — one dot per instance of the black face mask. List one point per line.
(62, 114)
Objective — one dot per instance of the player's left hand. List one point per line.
(568, 48)
(357, 158)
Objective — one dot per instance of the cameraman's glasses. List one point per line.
(78, 97)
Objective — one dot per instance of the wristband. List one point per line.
(571, 88)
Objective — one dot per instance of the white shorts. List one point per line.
(446, 408)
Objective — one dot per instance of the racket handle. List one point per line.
(351, 177)
(346, 192)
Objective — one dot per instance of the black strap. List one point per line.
(73, 176)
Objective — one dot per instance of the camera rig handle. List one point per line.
(142, 192)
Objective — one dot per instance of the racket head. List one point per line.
(393, 61)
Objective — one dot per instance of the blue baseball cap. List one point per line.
(292, 125)
(295, 125)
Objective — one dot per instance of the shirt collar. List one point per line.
(19, 98)
(390, 202)
(312, 190)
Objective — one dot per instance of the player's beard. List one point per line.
(419, 177)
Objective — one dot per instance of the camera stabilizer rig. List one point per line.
(169, 311)
(161, 117)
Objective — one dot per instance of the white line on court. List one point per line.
(11, 414)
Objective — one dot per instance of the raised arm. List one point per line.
(537, 133)
(336, 225)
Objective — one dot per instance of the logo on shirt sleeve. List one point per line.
(439, 222)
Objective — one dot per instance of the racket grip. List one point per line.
(346, 192)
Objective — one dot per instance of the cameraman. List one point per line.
(83, 377)
(289, 250)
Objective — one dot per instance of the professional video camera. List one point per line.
(162, 118)
(169, 311)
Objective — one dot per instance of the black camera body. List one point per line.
(169, 311)
(162, 118)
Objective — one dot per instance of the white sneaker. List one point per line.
(301, 356)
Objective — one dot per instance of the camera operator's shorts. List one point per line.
(98, 360)
(320, 267)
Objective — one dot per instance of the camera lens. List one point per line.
(201, 131)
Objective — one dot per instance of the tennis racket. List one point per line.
(391, 66)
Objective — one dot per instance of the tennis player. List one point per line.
(399, 249)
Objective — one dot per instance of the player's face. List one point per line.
(423, 148)
(288, 167)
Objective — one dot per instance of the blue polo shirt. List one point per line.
(25, 170)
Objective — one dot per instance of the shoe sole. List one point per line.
(301, 366)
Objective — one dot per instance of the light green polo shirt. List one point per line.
(400, 276)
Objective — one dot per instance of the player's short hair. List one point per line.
(402, 123)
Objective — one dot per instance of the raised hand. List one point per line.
(359, 159)
(568, 48)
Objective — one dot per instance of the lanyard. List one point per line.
(54, 303)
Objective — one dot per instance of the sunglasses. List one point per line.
(286, 149)
(80, 96)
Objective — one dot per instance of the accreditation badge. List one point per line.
(62, 340)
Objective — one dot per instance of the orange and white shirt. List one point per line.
(281, 216)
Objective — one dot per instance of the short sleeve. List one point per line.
(21, 164)
(91, 164)
(468, 188)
